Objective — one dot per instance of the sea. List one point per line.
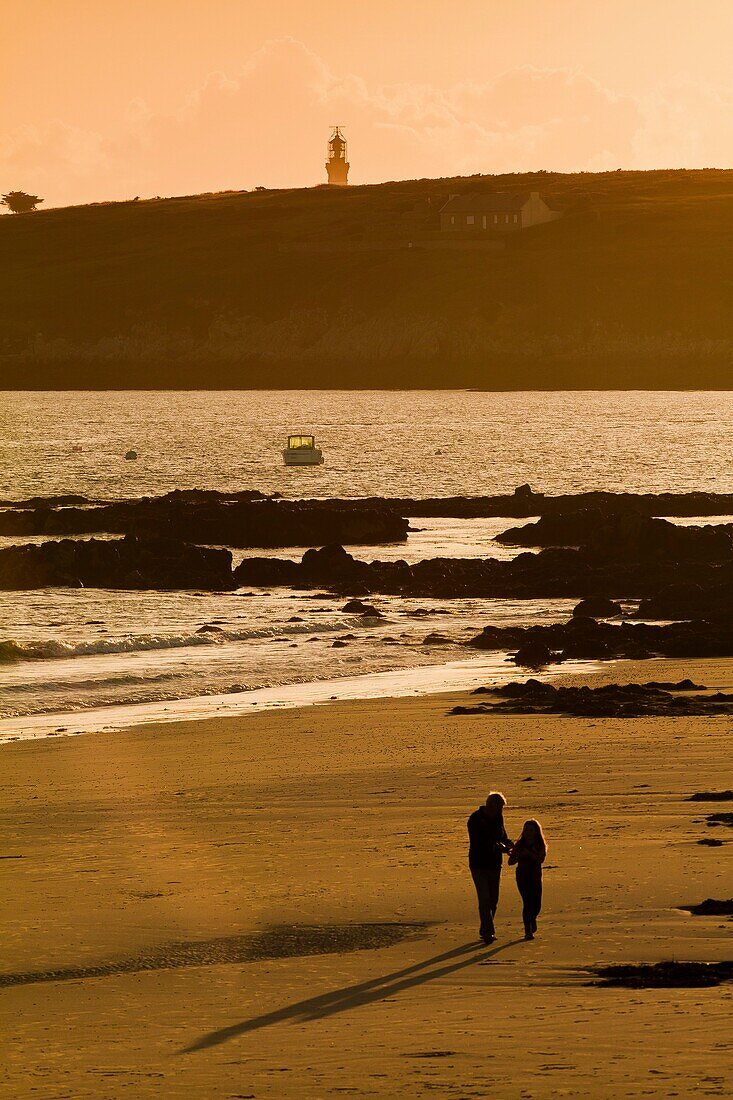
(76, 660)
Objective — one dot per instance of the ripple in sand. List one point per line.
(278, 942)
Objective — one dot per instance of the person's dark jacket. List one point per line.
(528, 859)
(487, 840)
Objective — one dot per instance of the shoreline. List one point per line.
(448, 679)
(490, 668)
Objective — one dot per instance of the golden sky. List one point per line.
(107, 99)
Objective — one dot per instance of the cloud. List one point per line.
(686, 124)
(268, 124)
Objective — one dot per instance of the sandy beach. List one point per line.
(174, 882)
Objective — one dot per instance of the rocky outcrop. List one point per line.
(598, 607)
(620, 537)
(115, 563)
(550, 574)
(712, 907)
(524, 503)
(533, 655)
(48, 502)
(558, 573)
(64, 515)
(667, 975)
(609, 701)
(690, 600)
(241, 520)
(586, 639)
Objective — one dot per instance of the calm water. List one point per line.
(374, 443)
(68, 652)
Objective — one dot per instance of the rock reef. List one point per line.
(586, 639)
(609, 701)
(524, 503)
(246, 519)
(550, 574)
(155, 563)
(616, 536)
(665, 975)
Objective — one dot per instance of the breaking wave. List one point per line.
(53, 649)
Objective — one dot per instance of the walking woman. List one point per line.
(528, 854)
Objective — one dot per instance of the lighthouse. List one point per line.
(337, 165)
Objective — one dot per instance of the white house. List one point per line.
(498, 212)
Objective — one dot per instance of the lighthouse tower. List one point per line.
(337, 165)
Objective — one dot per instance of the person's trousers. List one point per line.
(530, 887)
(486, 881)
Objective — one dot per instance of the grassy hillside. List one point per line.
(320, 287)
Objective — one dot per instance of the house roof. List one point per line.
(497, 203)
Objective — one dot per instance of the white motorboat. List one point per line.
(302, 451)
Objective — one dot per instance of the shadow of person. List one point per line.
(353, 996)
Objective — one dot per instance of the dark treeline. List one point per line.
(203, 374)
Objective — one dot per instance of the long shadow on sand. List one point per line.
(353, 996)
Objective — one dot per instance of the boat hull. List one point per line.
(303, 457)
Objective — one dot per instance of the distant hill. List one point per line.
(355, 287)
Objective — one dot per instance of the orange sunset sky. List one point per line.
(107, 99)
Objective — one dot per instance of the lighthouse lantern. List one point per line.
(337, 166)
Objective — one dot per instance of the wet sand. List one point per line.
(296, 881)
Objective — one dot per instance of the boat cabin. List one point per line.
(302, 451)
(298, 442)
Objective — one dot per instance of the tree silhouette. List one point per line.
(19, 203)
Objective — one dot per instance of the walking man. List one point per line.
(487, 843)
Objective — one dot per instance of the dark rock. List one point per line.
(627, 536)
(609, 701)
(436, 639)
(522, 503)
(338, 644)
(533, 655)
(711, 907)
(524, 492)
(525, 504)
(48, 502)
(328, 560)
(549, 574)
(588, 639)
(624, 561)
(242, 519)
(711, 796)
(720, 819)
(681, 685)
(598, 607)
(711, 842)
(572, 528)
(659, 554)
(266, 573)
(116, 563)
(666, 975)
(131, 456)
(690, 601)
